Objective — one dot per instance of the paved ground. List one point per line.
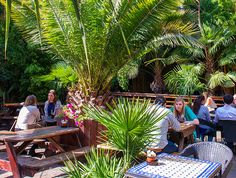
(232, 173)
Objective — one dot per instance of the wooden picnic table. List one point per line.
(186, 131)
(26, 137)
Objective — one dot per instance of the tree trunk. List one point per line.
(209, 63)
(157, 85)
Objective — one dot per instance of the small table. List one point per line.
(186, 130)
(175, 166)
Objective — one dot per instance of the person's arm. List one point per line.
(173, 122)
(58, 107)
(191, 116)
(216, 119)
(206, 112)
(46, 109)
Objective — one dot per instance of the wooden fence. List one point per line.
(170, 98)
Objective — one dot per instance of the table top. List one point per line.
(37, 133)
(184, 127)
(175, 166)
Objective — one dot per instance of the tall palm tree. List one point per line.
(98, 37)
(217, 36)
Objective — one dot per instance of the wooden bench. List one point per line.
(32, 165)
(52, 172)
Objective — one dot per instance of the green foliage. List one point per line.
(22, 64)
(225, 80)
(129, 71)
(130, 125)
(61, 74)
(98, 38)
(99, 164)
(185, 80)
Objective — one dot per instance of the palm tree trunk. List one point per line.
(157, 85)
(209, 63)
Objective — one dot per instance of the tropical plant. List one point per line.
(99, 37)
(225, 80)
(99, 164)
(61, 74)
(217, 36)
(130, 125)
(185, 79)
(23, 63)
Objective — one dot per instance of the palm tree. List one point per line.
(217, 36)
(98, 37)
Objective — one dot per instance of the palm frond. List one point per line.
(185, 79)
(220, 79)
(130, 124)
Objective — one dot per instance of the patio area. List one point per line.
(56, 170)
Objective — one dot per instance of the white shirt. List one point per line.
(162, 126)
(28, 115)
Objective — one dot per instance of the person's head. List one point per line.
(160, 100)
(197, 103)
(179, 106)
(228, 99)
(52, 97)
(30, 100)
(234, 99)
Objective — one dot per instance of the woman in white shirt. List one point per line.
(29, 114)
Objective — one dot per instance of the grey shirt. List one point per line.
(160, 140)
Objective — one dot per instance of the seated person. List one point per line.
(52, 105)
(209, 103)
(202, 112)
(160, 140)
(234, 101)
(184, 113)
(29, 115)
(226, 112)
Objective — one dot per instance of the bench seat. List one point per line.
(33, 165)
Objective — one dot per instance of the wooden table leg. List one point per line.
(13, 160)
(78, 140)
(56, 145)
(22, 147)
(181, 143)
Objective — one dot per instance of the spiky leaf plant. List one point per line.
(98, 165)
(130, 125)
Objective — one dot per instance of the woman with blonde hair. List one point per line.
(29, 114)
(184, 113)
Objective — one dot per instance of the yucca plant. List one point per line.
(98, 164)
(130, 125)
(97, 38)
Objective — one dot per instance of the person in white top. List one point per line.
(29, 114)
(160, 142)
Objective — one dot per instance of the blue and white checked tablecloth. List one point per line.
(175, 167)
